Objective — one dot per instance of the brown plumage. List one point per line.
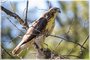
(43, 25)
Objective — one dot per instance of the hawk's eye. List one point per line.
(46, 16)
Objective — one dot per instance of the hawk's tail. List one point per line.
(16, 50)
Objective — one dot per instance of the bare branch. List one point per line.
(49, 4)
(26, 14)
(7, 52)
(15, 25)
(85, 40)
(70, 26)
(15, 16)
(81, 51)
(68, 40)
(58, 45)
(71, 55)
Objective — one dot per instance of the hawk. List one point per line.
(38, 31)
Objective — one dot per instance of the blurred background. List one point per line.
(72, 23)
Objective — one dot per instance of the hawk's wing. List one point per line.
(36, 29)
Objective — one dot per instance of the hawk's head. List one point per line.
(51, 13)
(54, 10)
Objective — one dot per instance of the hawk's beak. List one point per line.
(58, 10)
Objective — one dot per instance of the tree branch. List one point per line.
(26, 14)
(68, 40)
(82, 51)
(7, 52)
(49, 4)
(15, 16)
(85, 40)
(15, 25)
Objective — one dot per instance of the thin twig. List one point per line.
(71, 55)
(70, 27)
(58, 45)
(8, 12)
(85, 40)
(69, 41)
(26, 14)
(71, 50)
(49, 4)
(68, 33)
(81, 51)
(15, 25)
(7, 51)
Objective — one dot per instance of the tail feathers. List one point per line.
(16, 50)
